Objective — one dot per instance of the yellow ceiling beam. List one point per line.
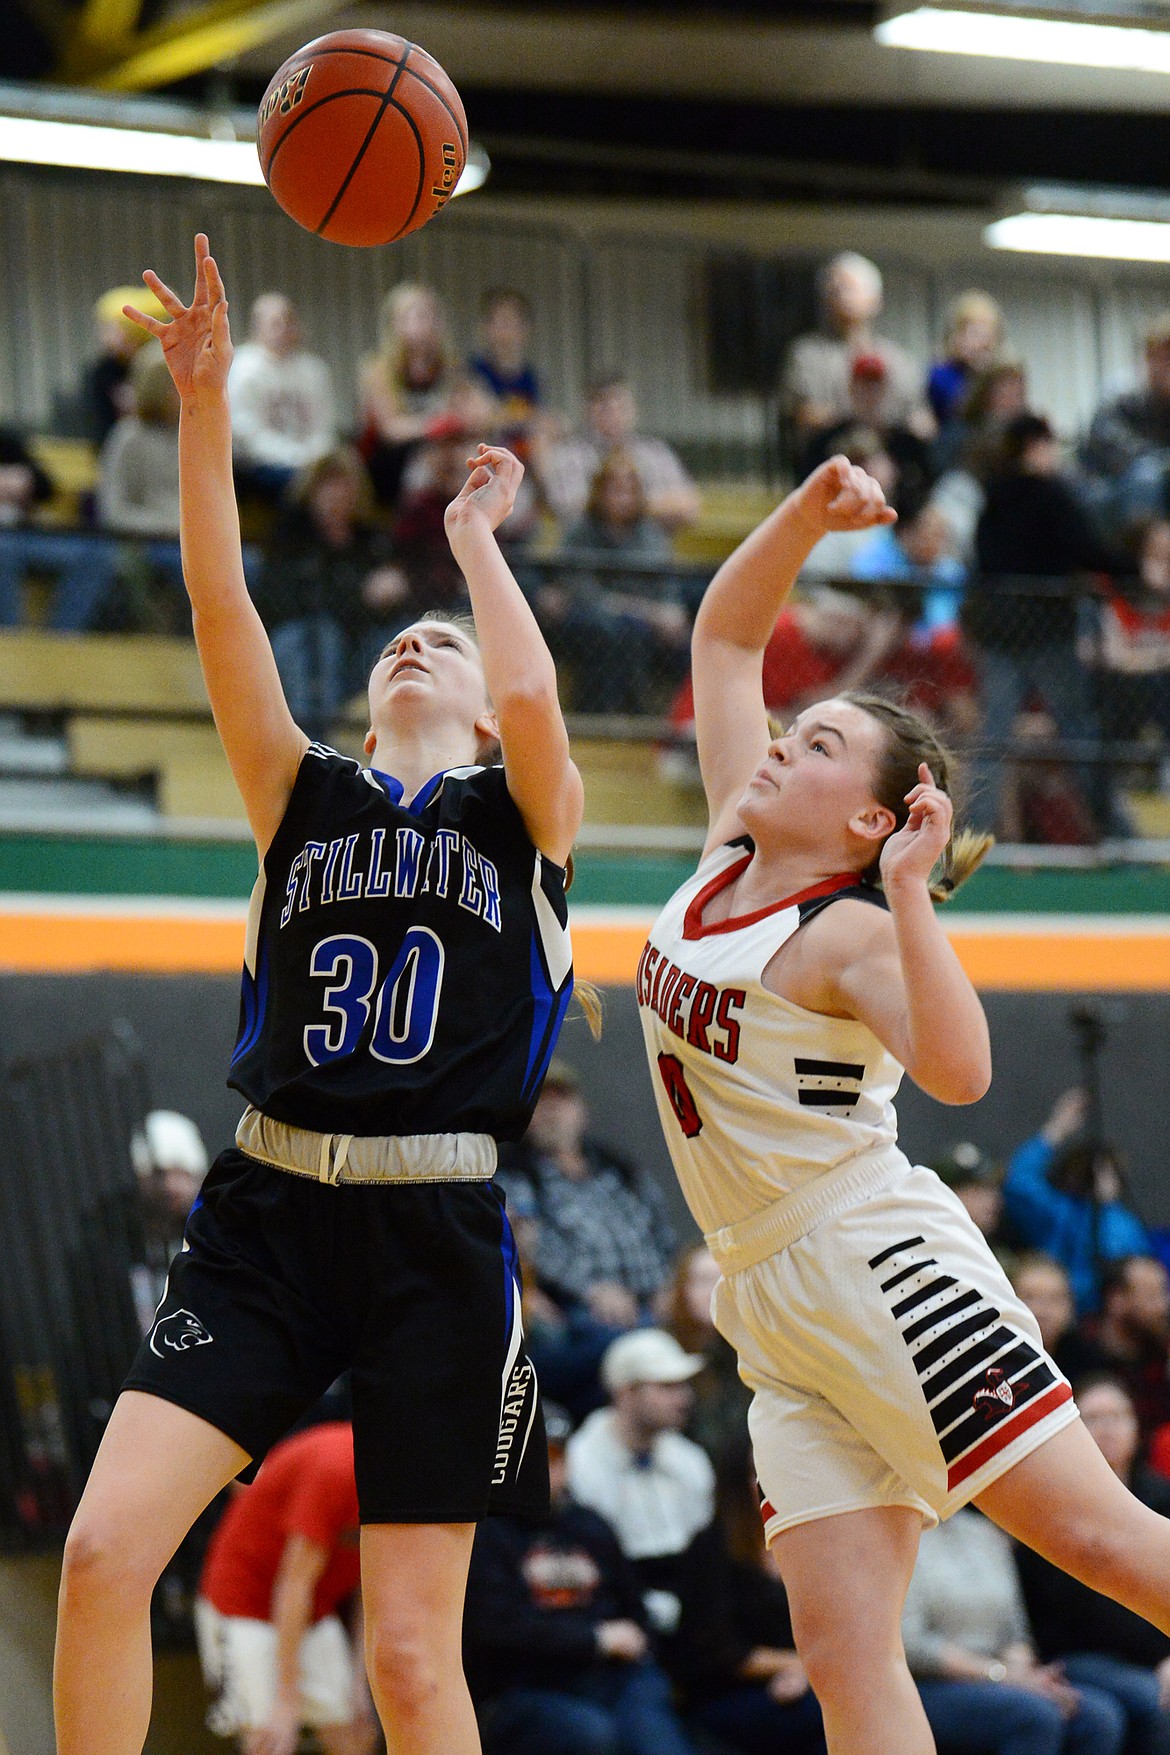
(104, 23)
(190, 44)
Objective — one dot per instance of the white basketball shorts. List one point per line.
(238, 1658)
(891, 1361)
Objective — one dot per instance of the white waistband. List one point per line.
(347, 1157)
(794, 1215)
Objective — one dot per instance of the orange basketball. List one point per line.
(361, 136)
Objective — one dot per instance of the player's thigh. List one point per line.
(156, 1469)
(1065, 1501)
(846, 1577)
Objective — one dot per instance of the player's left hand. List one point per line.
(840, 495)
(489, 490)
(916, 848)
(279, 1734)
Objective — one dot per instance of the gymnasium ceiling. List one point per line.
(793, 98)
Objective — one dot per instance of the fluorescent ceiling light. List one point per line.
(83, 146)
(87, 146)
(1013, 37)
(1082, 234)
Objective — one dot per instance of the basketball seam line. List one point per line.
(308, 110)
(362, 149)
(422, 168)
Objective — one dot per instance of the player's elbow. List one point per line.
(957, 1085)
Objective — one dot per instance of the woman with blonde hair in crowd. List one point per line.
(972, 336)
(404, 383)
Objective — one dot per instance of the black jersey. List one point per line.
(408, 964)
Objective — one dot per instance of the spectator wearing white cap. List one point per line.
(170, 1159)
(630, 1463)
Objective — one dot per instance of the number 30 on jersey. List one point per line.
(405, 1005)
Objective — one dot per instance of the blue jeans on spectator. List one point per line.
(613, 1709)
(994, 1718)
(1136, 1691)
(746, 1717)
(1061, 680)
(83, 562)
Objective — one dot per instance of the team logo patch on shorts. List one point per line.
(179, 1332)
(984, 1382)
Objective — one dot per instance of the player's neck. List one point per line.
(777, 872)
(415, 760)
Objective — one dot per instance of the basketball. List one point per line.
(362, 137)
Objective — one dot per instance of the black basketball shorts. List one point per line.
(285, 1282)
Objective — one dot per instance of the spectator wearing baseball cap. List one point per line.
(977, 1179)
(604, 1239)
(556, 1644)
(170, 1160)
(630, 1462)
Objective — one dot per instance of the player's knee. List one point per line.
(1096, 1553)
(840, 1660)
(407, 1671)
(100, 1564)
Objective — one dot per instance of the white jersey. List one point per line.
(757, 1096)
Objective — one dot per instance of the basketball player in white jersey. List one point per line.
(783, 992)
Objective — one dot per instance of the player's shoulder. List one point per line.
(850, 923)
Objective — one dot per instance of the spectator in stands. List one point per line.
(431, 481)
(969, 451)
(832, 557)
(170, 1160)
(107, 393)
(869, 408)
(1043, 800)
(1032, 526)
(1066, 1195)
(718, 1415)
(824, 642)
(1132, 1336)
(81, 563)
(733, 1654)
(916, 550)
(555, 1634)
(1040, 1282)
(816, 376)
(138, 481)
(976, 1179)
(504, 365)
(630, 1463)
(404, 385)
(604, 1237)
(1096, 1642)
(565, 1340)
(280, 1569)
(283, 408)
(569, 466)
(972, 337)
(1127, 452)
(1134, 678)
(620, 633)
(328, 591)
(969, 1648)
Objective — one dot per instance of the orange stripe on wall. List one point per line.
(160, 943)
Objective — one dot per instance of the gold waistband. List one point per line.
(348, 1157)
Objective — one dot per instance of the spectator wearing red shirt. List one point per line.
(282, 1563)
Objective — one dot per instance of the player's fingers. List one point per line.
(144, 322)
(170, 301)
(214, 279)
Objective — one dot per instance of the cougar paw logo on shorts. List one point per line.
(179, 1331)
(995, 1395)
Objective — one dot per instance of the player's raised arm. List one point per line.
(518, 667)
(263, 744)
(735, 623)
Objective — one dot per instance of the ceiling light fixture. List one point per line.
(78, 145)
(1017, 37)
(1082, 234)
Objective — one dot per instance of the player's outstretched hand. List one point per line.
(841, 496)
(196, 341)
(490, 490)
(918, 846)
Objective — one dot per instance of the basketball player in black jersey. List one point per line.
(406, 973)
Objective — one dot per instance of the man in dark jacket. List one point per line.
(555, 1644)
(1035, 548)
